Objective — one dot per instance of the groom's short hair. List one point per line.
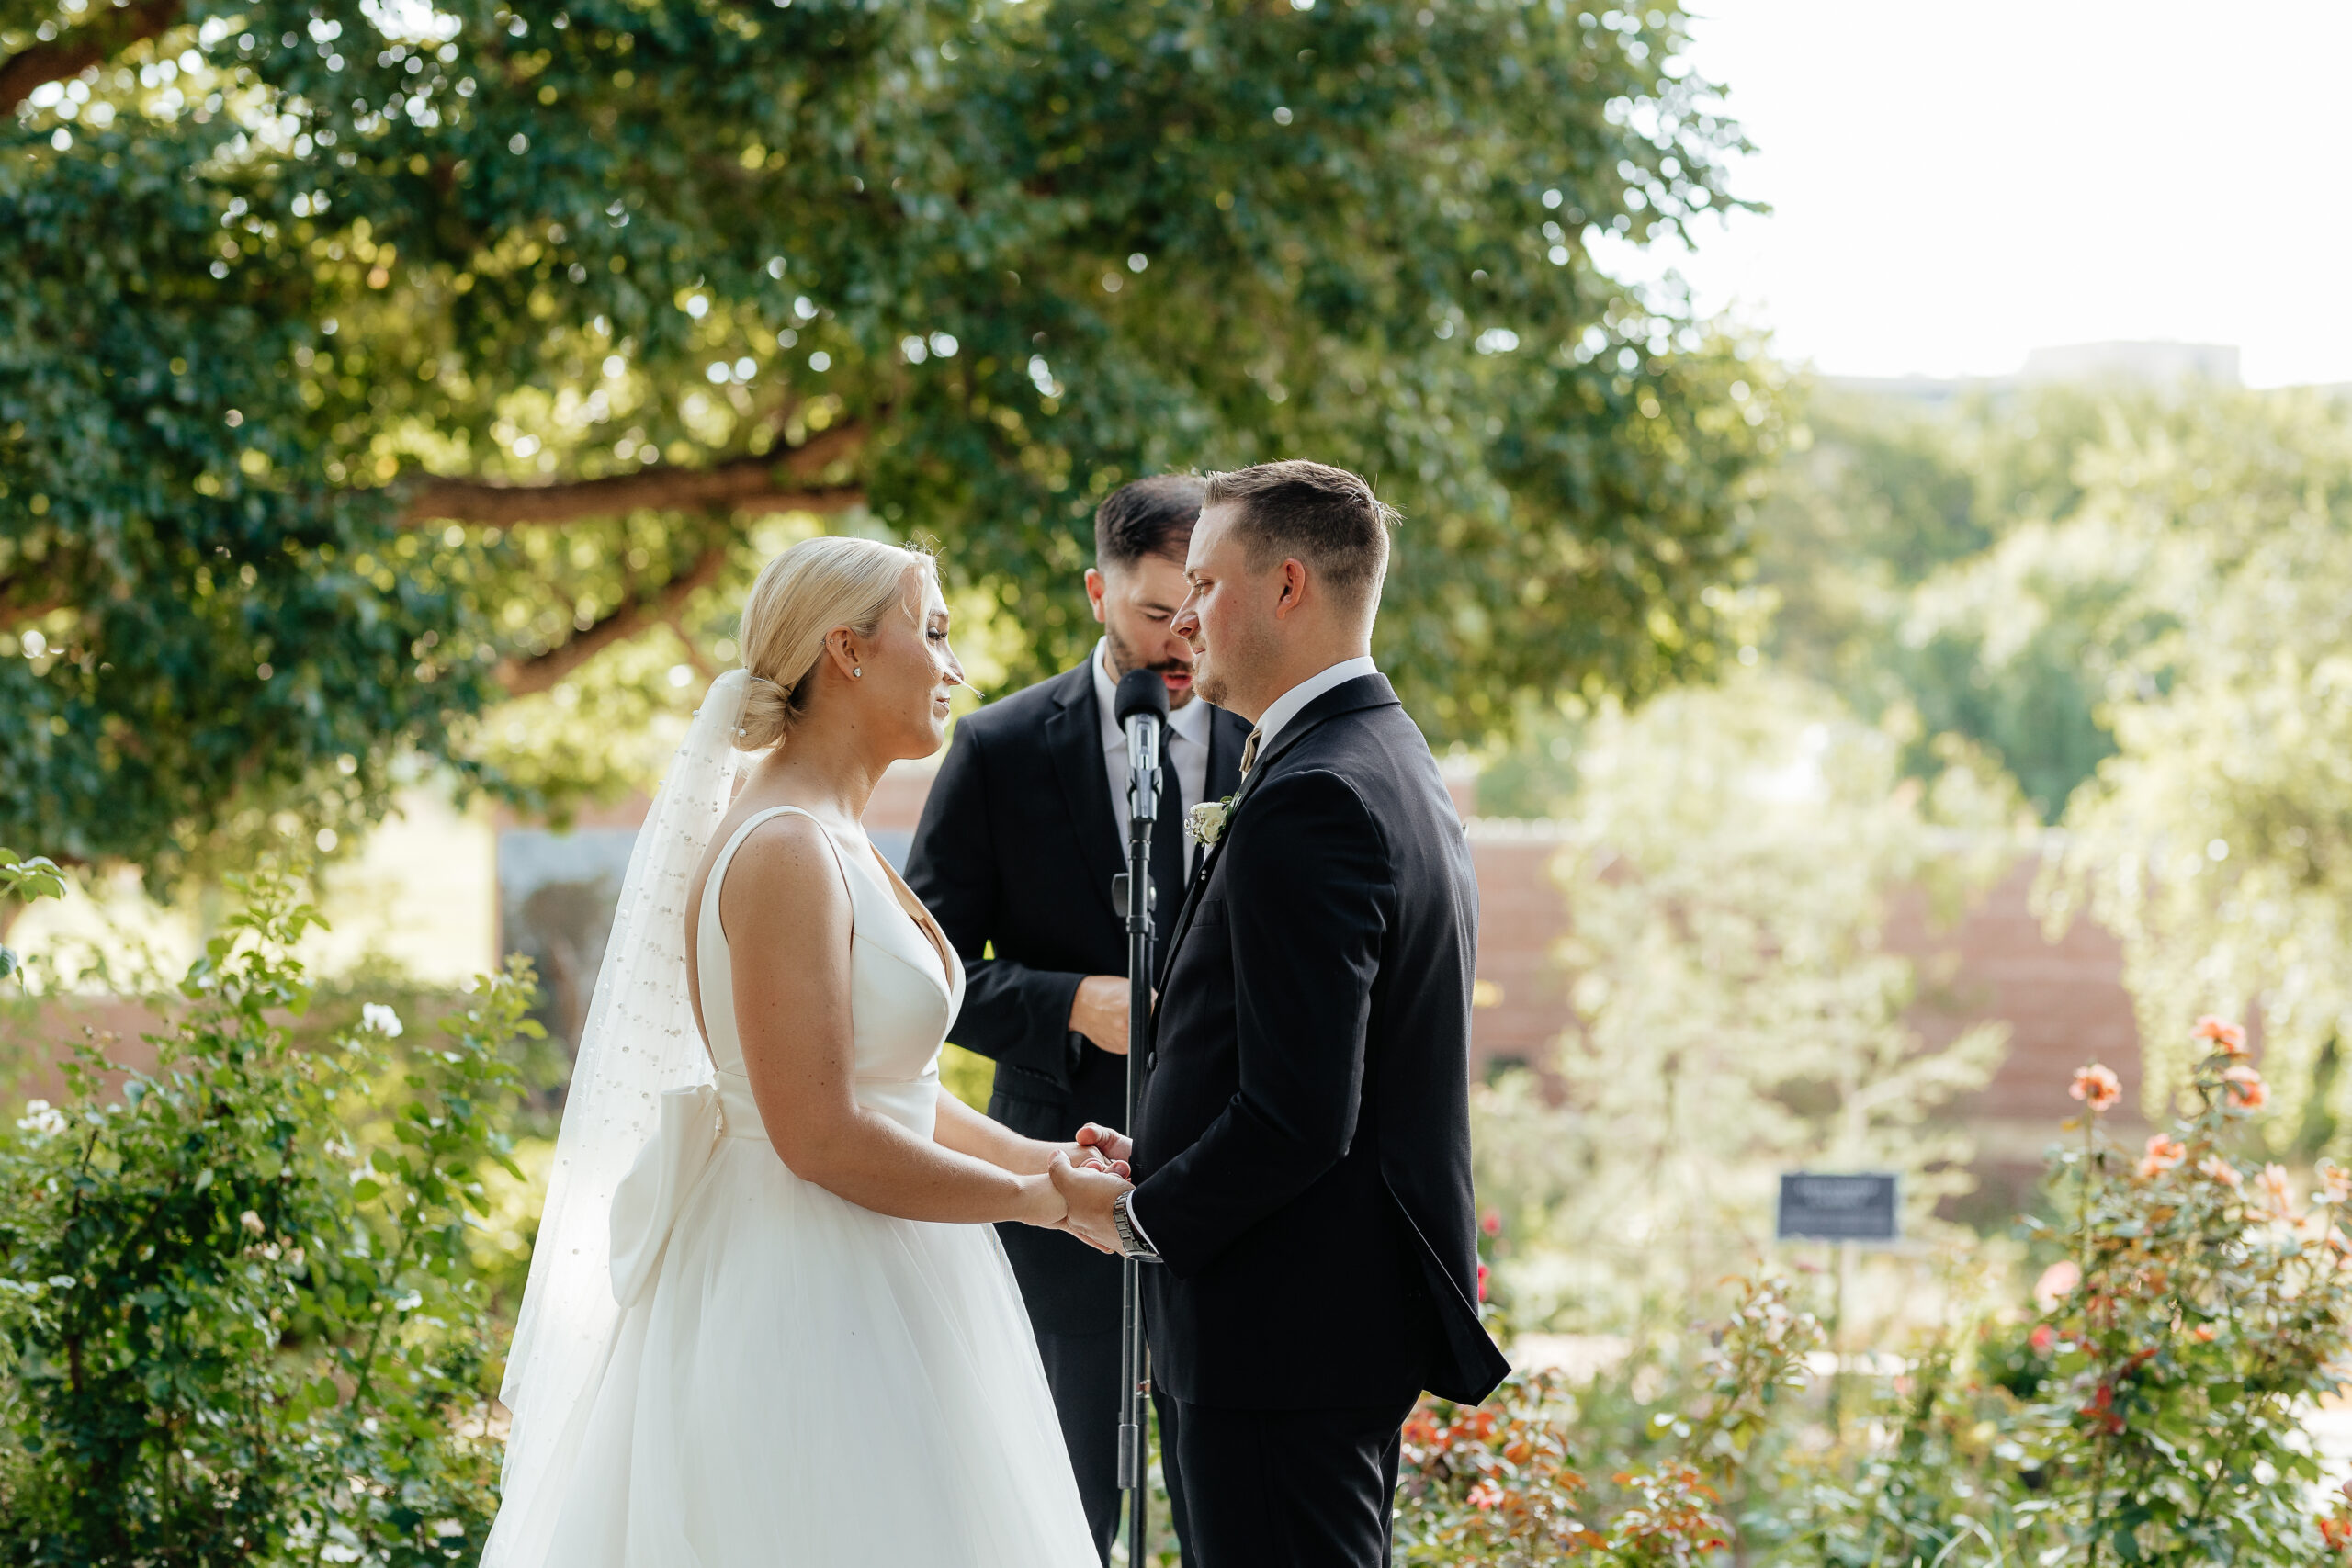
(1324, 516)
(1152, 516)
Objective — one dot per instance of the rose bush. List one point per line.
(1501, 1484)
(2151, 1410)
(238, 1321)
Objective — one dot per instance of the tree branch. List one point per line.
(523, 677)
(779, 482)
(83, 46)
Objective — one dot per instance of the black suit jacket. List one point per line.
(1303, 1155)
(1014, 857)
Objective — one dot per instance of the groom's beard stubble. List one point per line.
(1237, 650)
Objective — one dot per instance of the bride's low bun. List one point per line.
(801, 598)
(767, 714)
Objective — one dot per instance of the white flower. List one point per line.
(381, 1018)
(42, 1118)
(1205, 824)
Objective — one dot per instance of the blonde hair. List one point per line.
(800, 597)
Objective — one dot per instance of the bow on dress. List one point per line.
(648, 1200)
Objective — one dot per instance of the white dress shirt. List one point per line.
(1186, 743)
(1285, 708)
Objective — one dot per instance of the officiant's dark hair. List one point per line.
(1151, 517)
(1324, 516)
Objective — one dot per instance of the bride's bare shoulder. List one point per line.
(786, 872)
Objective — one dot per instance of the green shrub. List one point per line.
(236, 1320)
(2150, 1412)
(1502, 1484)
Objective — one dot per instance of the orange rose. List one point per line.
(2218, 1170)
(2164, 1152)
(2228, 1038)
(2096, 1087)
(2057, 1282)
(2246, 1089)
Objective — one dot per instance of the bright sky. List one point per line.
(1955, 184)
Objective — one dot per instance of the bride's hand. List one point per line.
(1040, 1203)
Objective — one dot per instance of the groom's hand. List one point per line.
(1088, 1194)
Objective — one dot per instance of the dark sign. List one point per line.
(1816, 1207)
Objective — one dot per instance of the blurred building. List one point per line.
(2158, 365)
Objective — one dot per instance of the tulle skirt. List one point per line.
(806, 1382)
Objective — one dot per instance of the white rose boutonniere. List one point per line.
(1205, 824)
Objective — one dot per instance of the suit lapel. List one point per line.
(1363, 691)
(1074, 736)
(1228, 733)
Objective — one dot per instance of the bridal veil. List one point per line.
(640, 1042)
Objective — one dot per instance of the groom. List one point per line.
(1302, 1161)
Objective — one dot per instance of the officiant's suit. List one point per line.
(1014, 856)
(1301, 1157)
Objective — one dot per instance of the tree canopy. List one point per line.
(373, 362)
(2134, 600)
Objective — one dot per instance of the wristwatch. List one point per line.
(1133, 1243)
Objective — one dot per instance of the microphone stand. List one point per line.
(1135, 1372)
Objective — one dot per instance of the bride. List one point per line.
(787, 1334)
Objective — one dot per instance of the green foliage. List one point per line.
(2154, 1413)
(2150, 1413)
(1925, 562)
(1498, 1485)
(1729, 859)
(367, 364)
(2029, 570)
(2218, 841)
(237, 1316)
(2208, 1312)
(35, 878)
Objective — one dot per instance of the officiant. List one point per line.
(1025, 827)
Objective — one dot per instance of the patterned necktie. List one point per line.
(1249, 751)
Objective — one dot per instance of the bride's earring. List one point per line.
(858, 673)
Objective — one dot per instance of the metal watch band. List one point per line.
(1131, 1243)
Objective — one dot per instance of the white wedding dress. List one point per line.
(795, 1379)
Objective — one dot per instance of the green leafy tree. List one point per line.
(2217, 841)
(1917, 559)
(370, 365)
(1730, 855)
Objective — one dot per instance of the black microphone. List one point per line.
(1141, 708)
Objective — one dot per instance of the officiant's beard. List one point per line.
(1123, 661)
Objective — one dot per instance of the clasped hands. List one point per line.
(1087, 1179)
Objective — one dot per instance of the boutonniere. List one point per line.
(1205, 824)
